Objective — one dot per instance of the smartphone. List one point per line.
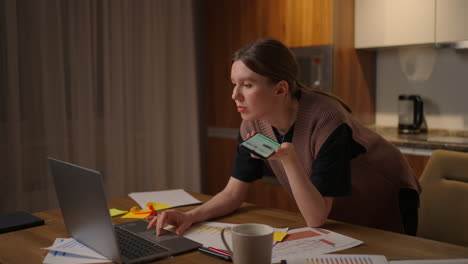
(260, 145)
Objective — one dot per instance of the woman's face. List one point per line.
(253, 93)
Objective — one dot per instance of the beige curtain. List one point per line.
(109, 85)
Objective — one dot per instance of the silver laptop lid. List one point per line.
(84, 207)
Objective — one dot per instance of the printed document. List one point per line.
(173, 198)
(70, 251)
(306, 242)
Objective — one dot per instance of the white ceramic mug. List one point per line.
(251, 243)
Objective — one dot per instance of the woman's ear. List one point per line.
(282, 88)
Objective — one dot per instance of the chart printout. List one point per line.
(306, 242)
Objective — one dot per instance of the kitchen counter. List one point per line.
(456, 140)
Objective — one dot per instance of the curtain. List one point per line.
(108, 85)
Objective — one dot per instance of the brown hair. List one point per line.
(272, 59)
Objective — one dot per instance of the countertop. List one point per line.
(456, 140)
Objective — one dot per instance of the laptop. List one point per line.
(86, 215)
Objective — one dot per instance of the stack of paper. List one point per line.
(171, 198)
(70, 251)
(298, 246)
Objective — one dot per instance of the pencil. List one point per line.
(214, 253)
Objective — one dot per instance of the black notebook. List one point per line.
(17, 221)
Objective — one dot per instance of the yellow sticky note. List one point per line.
(116, 212)
(136, 209)
(137, 213)
(279, 236)
(141, 215)
(158, 206)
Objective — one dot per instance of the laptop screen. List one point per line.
(84, 207)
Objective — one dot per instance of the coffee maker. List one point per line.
(411, 114)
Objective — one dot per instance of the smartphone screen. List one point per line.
(260, 145)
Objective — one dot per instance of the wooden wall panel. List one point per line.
(232, 24)
(271, 195)
(353, 71)
(220, 157)
(309, 23)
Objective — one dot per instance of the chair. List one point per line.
(443, 212)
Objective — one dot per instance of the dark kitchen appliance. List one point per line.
(411, 114)
(315, 66)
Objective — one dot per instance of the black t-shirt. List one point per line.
(331, 171)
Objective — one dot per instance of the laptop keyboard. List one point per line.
(133, 246)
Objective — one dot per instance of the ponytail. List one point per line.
(302, 88)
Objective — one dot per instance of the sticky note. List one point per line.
(279, 236)
(116, 212)
(158, 206)
(138, 210)
(136, 215)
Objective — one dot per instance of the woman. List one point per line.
(330, 164)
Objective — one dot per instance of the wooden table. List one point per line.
(25, 246)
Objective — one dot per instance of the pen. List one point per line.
(219, 251)
(215, 253)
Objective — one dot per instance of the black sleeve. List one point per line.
(245, 167)
(331, 171)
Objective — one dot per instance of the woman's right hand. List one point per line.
(181, 220)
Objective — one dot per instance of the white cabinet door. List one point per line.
(383, 23)
(452, 20)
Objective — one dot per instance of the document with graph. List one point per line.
(306, 242)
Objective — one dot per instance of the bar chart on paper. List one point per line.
(209, 234)
(306, 242)
(340, 259)
(207, 229)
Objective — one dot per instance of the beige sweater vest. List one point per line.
(377, 175)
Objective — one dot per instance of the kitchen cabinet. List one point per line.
(383, 23)
(451, 18)
(386, 23)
